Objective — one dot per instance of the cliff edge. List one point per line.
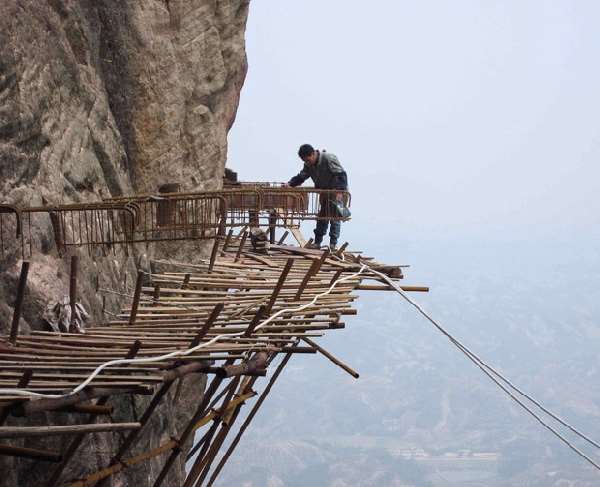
(102, 98)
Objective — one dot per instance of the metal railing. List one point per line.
(126, 220)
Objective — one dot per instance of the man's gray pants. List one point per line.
(334, 231)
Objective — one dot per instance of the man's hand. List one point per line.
(285, 185)
(339, 196)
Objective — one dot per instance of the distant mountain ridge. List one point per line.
(537, 320)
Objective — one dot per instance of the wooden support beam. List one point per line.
(241, 247)
(98, 477)
(37, 431)
(226, 243)
(284, 273)
(260, 314)
(336, 276)
(215, 416)
(200, 412)
(342, 249)
(95, 409)
(156, 295)
(297, 234)
(14, 329)
(204, 461)
(183, 370)
(73, 286)
(209, 322)
(312, 270)
(209, 450)
(136, 298)
(52, 404)
(255, 366)
(272, 223)
(31, 453)
(333, 359)
(186, 281)
(204, 444)
(170, 377)
(249, 419)
(283, 237)
(213, 255)
(78, 440)
(23, 381)
(377, 287)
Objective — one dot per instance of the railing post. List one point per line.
(14, 329)
(136, 297)
(73, 286)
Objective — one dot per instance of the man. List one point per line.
(326, 172)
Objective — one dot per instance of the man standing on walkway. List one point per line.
(326, 172)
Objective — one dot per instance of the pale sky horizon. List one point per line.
(456, 117)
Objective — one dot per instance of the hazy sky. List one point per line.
(453, 116)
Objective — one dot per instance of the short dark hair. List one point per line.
(305, 150)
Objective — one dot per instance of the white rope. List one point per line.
(490, 372)
(180, 353)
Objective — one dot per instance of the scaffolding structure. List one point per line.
(231, 317)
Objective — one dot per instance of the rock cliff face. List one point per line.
(101, 98)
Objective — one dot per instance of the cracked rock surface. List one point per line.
(101, 98)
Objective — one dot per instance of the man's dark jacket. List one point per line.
(327, 173)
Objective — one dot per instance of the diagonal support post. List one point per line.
(76, 443)
(249, 419)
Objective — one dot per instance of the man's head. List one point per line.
(308, 154)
